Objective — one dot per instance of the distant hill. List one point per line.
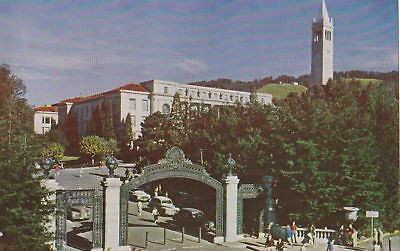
(282, 90)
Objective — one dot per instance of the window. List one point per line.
(165, 89)
(165, 109)
(145, 105)
(46, 120)
(132, 104)
(133, 120)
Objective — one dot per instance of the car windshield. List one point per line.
(166, 201)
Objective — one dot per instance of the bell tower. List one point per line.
(322, 48)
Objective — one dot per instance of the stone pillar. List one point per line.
(111, 191)
(231, 208)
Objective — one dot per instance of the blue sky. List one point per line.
(63, 49)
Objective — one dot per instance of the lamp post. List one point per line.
(112, 164)
(46, 165)
(269, 216)
(231, 164)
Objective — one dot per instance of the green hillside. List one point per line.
(282, 90)
(364, 81)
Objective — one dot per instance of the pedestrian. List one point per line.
(269, 242)
(155, 215)
(156, 191)
(341, 236)
(353, 235)
(294, 232)
(289, 234)
(330, 245)
(312, 233)
(375, 239)
(139, 208)
(380, 238)
(279, 245)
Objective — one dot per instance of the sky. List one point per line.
(69, 48)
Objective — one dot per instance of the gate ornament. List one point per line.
(112, 164)
(175, 156)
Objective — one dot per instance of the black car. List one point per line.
(192, 217)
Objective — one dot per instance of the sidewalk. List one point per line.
(258, 245)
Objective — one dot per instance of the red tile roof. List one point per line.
(46, 109)
(129, 87)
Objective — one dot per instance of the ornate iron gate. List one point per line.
(246, 191)
(174, 165)
(90, 198)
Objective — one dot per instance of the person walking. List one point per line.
(353, 235)
(289, 234)
(380, 238)
(330, 245)
(279, 245)
(139, 208)
(155, 215)
(269, 243)
(312, 233)
(294, 232)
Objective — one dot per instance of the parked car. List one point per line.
(139, 195)
(78, 213)
(192, 217)
(164, 205)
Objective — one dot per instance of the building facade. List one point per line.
(43, 117)
(144, 99)
(322, 48)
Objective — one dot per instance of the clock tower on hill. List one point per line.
(322, 48)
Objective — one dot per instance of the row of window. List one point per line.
(318, 35)
(328, 35)
(132, 105)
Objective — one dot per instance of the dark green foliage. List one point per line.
(24, 204)
(334, 146)
(126, 140)
(101, 123)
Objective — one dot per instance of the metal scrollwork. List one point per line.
(90, 198)
(174, 165)
(174, 156)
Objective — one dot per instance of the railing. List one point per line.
(321, 234)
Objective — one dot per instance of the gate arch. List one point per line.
(174, 165)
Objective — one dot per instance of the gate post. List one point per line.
(111, 192)
(231, 208)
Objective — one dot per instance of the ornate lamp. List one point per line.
(112, 164)
(231, 164)
(46, 165)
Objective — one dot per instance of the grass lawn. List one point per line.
(365, 81)
(69, 158)
(282, 90)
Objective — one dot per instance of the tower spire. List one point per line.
(324, 11)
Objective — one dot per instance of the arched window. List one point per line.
(165, 108)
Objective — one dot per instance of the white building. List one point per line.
(43, 117)
(141, 100)
(322, 48)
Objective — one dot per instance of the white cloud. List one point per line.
(192, 65)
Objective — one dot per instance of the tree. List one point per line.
(23, 201)
(54, 151)
(126, 139)
(92, 146)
